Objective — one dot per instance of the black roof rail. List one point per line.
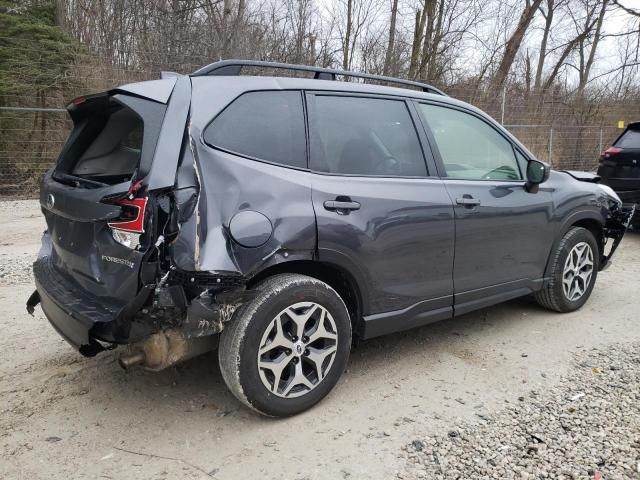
(233, 68)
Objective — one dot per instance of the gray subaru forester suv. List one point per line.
(277, 219)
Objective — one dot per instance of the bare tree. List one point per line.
(629, 10)
(354, 21)
(513, 44)
(392, 35)
(548, 15)
(346, 42)
(587, 50)
(438, 35)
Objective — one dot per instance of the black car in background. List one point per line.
(285, 216)
(620, 167)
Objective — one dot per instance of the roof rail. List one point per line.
(233, 68)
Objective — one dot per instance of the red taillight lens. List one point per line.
(132, 217)
(610, 152)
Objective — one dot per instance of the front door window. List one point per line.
(470, 148)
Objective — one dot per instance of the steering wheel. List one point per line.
(503, 172)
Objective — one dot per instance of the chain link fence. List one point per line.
(566, 147)
(32, 137)
(30, 141)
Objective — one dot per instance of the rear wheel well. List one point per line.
(334, 276)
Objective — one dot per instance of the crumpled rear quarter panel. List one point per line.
(230, 184)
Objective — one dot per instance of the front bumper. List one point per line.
(80, 318)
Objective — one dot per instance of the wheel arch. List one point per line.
(596, 228)
(589, 220)
(337, 277)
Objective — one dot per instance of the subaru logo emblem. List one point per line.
(51, 201)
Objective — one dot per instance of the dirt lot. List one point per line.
(64, 416)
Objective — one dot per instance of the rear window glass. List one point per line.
(263, 125)
(364, 136)
(629, 139)
(114, 154)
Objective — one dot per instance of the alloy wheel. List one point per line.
(578, 270)
(297, 349)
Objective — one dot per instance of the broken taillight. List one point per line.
(127, 229)
(610, 152)
(132, 216)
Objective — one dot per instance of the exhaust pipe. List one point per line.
(164, 349)
(130, 360)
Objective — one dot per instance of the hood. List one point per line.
(583, 176)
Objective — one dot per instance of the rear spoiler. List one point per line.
(157, 90)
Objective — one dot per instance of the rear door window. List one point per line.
(363, 136)
(266, 125)
(470, 148)
(629, 139)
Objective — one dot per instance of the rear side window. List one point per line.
(629, 139)
(363, 136)
(263, 125)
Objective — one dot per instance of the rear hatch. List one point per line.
(100, 200)
(96, 211)
(620, 164)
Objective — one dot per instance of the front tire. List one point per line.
(286, 349)
(573, 273)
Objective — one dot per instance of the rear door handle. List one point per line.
(468, 201)
(333, 205)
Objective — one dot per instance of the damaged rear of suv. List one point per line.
(106, 209)
(281, 217)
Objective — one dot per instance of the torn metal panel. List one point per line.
(168, 148)
(232, 186)
(617, 224)
(236, 186)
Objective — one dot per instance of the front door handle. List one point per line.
(468, 201)
(339, 205)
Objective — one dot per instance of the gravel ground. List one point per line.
(586, 427)
(19, 240)
(16, 270)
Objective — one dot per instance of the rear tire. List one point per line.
(285, 350)
(574, 269)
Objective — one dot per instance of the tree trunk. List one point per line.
(564, 55)
(418, 32)
(392, 35)
(347, 37)
(430, 9)
(436, 38)
(513, 45)
(543, 44)
(584, 74)
(527, 74)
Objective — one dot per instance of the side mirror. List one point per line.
(537, 173)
